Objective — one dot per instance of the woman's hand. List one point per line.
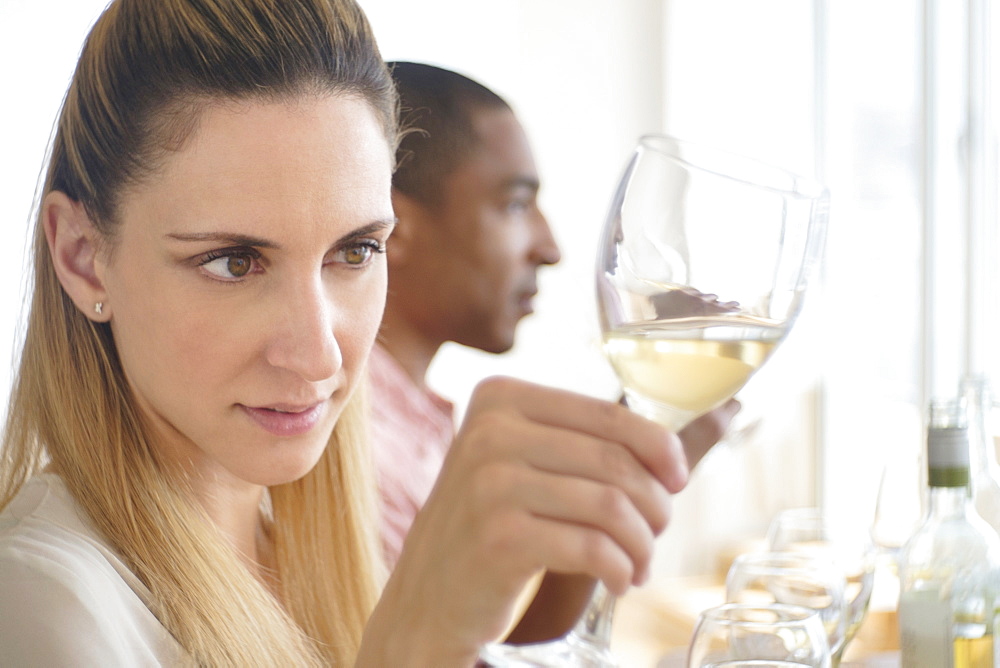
(562, 598)
(537, 478)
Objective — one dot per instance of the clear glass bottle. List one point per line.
(949, 568)
(983, 469)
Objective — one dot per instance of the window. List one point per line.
(890, 104)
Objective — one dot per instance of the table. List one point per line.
(653, 623)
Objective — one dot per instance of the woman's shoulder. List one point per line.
(43, 523)
(73, 599)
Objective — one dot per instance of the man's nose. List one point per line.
(545, 249)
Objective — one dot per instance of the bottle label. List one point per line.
(925, 630)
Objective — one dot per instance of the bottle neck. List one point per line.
(948, 502)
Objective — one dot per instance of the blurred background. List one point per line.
(889, 102)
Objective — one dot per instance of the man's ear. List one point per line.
(73, 244)
(409, 214)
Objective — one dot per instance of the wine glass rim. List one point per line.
(786, 614)
(815, 518)
(802, 511)
(811, 516)
(784, 560)
(793, 184)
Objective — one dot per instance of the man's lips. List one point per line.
(286, 419)
(525, 301)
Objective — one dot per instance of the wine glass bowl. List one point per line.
(791, 578)
(740, 634)
(701, 272)
(810, 531)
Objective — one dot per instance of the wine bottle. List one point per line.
(950, 568)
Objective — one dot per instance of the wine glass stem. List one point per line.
(837, 656)
(594, 625)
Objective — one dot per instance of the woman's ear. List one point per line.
(73, 244)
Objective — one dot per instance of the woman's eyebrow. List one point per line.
(235, 239)
(376, 226)
(227, 238)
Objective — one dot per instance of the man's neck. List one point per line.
(409, 347)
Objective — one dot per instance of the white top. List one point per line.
(66, 598)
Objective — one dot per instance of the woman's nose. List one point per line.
(304, 340)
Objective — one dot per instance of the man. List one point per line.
(462, 267)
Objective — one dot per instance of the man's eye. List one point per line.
(517, 206)
(230, 266)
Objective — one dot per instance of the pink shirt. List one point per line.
(411, 431)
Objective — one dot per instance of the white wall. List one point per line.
(39, 44)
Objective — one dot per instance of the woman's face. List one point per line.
(246, 284)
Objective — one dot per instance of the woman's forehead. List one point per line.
(312, 157)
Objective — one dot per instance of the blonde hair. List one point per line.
(145, 70)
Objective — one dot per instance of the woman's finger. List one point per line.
(659, 450)
(577, 502)
(577, 455)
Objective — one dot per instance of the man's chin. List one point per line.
(497, 345)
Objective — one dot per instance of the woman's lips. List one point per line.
(282, 421)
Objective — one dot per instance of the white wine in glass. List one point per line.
(701, 270)
(673, 375)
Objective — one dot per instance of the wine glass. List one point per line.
(810, 531)
(793, 578)
(736, 634)
(701, 270)
(899, 504)
(701, 273)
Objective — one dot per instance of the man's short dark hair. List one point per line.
(436, 108)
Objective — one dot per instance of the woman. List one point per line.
(184, 473)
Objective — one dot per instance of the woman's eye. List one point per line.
(230, 266)
(360, 254)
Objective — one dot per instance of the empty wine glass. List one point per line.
(701, 271)
(810, 531)
(758, 635)
(899, 505)
(792, 578)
